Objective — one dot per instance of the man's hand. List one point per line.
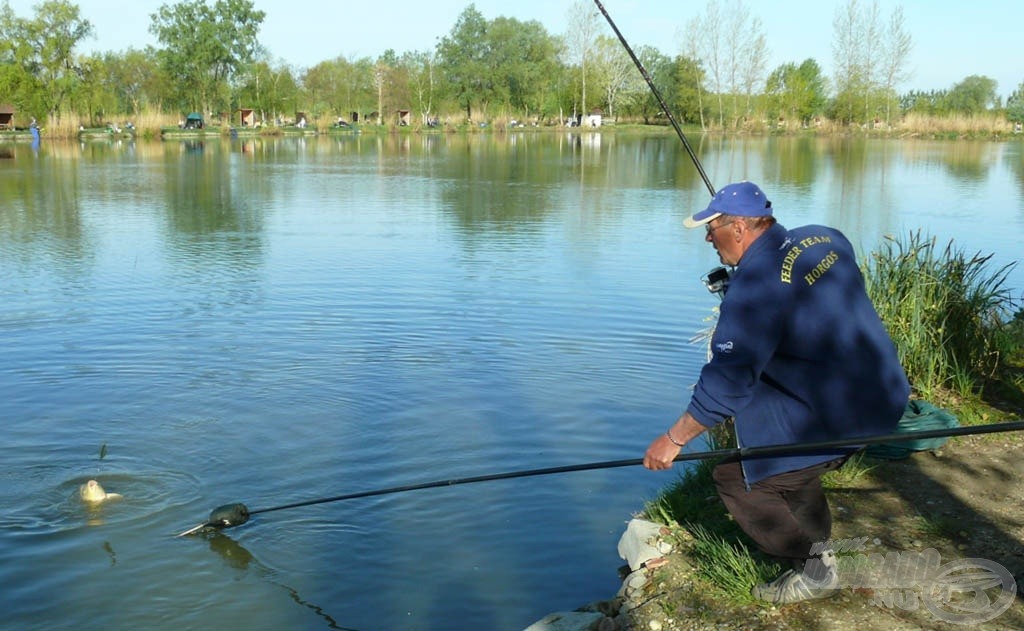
(663, 451)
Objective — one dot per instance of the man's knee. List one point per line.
(728, 477)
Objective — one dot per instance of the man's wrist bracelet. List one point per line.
(668, 433)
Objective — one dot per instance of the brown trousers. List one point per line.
(785, 514)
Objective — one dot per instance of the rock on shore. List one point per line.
(643, 547)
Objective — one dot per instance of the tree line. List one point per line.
(209, 59)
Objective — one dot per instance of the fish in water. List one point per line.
(93, 493)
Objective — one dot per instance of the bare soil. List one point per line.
(966, 501)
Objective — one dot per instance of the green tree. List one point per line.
(325, 86)
(403, 83)
(1015, 105)
(205, 46)
(94, 97)
(419, 68)
(613, 72)
(45, 71)
(975, 94)
(523, 60)
(462, 59)
(122, 83)
(16, 82)
(341, 86)
(268, 89)
(686, 78)
(796, 93)
(642, 102)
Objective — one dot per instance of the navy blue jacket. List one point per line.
(799, 352)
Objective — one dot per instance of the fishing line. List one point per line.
(657, 96)
(230, 515)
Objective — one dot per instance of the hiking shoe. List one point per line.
(794, 587)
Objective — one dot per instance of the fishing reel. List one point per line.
(717, 280)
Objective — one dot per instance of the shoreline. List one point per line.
(936, 131)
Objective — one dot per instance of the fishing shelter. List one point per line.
(246, 117)
(6, 116)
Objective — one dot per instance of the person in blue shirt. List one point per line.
(799, 355)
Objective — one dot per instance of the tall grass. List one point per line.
(147, 124)
(946, 311)
(956, 125)
(729, 565)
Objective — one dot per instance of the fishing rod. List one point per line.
(230, 515)
(658, 97)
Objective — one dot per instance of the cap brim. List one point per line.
(699, 219)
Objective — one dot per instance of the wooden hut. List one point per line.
(246, 117)
(6, 116)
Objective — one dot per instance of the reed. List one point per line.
(63, 127)
(946, 311)
(955, 125)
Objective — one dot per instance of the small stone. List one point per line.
(606, 624)
(636, 580)
(654, 564)
(654, 625)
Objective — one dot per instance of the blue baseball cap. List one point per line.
(742, 199)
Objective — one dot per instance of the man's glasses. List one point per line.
(710, 229)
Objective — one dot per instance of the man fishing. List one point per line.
(799, 355)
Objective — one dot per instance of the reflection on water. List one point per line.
(239, 559)
(276, 320)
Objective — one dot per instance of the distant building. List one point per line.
(246, 117)
(6, 116)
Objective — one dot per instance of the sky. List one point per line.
(951, 39)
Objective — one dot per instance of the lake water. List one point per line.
(274, 321)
